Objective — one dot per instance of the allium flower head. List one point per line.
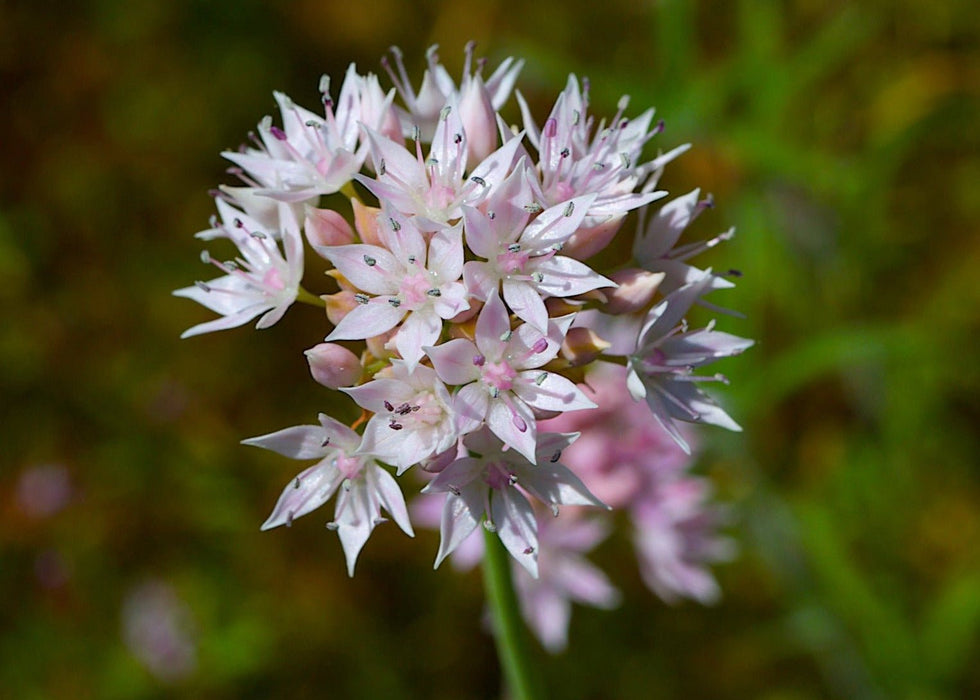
(363, 486)
(260, 280)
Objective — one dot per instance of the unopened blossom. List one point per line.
(363, 487)
(408, 282)
(501, 377)
(661, 369)
(312, 155)
(521, 255)
(478, 99)
(433, 188)
(413, 415)
(654, 245)
(490, 484)
(260, 280)
(333, 365)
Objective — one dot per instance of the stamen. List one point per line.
(533, 208)
(202, 286)
(444, 112)
(278, 133)
(333, 526)
(395, 226)
(205, 257)
(514, 248)
(569, 208)
(479, 360)
(529, 550)
(395, 301)
(369, 261)
(289, 518)
(326, 441)
(555, 457)
(395, 426)
(481, 182)
(388, 406)
(382, 167)
(539, 380)
(361, 298)
(506, 336)
(296, 483)
(434, 292)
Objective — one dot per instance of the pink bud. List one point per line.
(366, 222)
(479, 121)
(589, 240)
(333, 365)
(327, 227)
(636, 289)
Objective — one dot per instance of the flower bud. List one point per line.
(589, 240)
(366, 222)
(325, 227)
(581, 346)
(635, 291)
(339, 304)
(479, 121)
(333, 365)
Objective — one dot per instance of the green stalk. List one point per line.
(307, 298)
(508, 628)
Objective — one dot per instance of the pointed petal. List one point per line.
(367, 320)
(526, 303)
(453, 361)
(554, 484)
(308, 491)
(297, 442)
(370, 268)
(553, 393)
(460, 516)
(506, 425)
(516, 527)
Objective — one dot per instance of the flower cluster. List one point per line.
(469, 314)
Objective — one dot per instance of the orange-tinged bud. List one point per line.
(366, 222)
(635, 291)
(325, 227)
(582, 346)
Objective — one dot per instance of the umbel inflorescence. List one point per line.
(479, 341)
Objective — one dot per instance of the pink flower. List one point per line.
(313, 155)
(413, 415)
(414, 283)
(491, 484)
(478, 99)
(363, 486)
(433, 189)
(661, 369)
(521, 255)
(501, 380)
(261, 280)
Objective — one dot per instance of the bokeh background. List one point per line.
(839, 137)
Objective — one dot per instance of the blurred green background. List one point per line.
(839, 137)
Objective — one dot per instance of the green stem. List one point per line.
(311, 299)
(508, 628)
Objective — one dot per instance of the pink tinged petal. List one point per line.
(272, 317)
(460, 517)
(225, 295)
(547, 613)
(326, 227)
(703, 408)
(478, 120)
(551, 392)
(666, 315)
(556, 224)
(472, 402)
(369, 268)
(493, 328)
(298, 442)
(525, 301)
(584, 583)
(452, 301)
(551, 443)
(401, 448)
(460, 473)
(454, 361)
(373, 395)
(445, 259)
(225, 322)
(660, 235)
(367, 320)
(565, 277)
(308, 491)
(634, 384)
(523, 347)
(660, 411)
(402, 237)
(618, 206)
(397, 160)
(420, 328)
(481, 280)
(393, 195)
(514, 425)
(702, 346)
(391, 498)
(481, 238)
(494, 168)
(516, 526)
(508, 202)
(554, 484)
(356, 517)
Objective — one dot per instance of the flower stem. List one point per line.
(508, 628)
(308, 298)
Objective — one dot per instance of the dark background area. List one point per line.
(841, 140)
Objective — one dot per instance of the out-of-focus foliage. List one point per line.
(840, 138)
